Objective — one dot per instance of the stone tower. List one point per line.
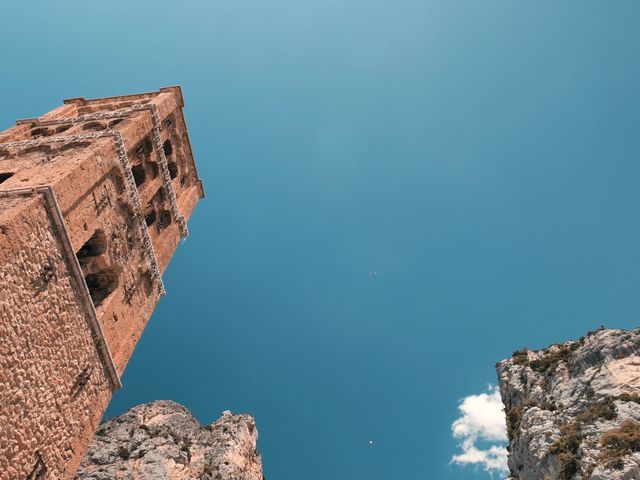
(94, 198)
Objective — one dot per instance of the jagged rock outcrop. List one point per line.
(573, 409)
(163, 441)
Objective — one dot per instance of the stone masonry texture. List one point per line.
(45, 343)
(163, 441)
(92, 199)
(573, 409)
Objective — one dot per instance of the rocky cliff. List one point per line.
(162, 441)
(573, 409)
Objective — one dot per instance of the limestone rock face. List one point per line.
(573, 409)
(162, 440)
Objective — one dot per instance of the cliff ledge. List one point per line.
(573, 409)
(162, 440)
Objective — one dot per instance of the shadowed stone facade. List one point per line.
(94, 198)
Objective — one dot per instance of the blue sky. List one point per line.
(481, 156)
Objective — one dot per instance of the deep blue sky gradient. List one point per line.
(483, 156)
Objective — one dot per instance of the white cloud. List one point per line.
(482, 419)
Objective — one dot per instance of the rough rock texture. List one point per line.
(573, 409)
(162, 441)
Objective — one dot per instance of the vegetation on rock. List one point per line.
(565, 448)
(619, 442)
(582, 425)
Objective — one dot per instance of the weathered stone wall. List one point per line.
(125, 311)
(88, 181)
(112, 265)
(53, 384)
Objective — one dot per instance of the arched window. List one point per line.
(94, 126)
(167, 148)
(150, 218)
(101, 285)
(144, 147)
(41, 132)
(173, 169)
(62, 128)
(36, 148)
(73, 145)
(139, 175)
(164, 219)
(159, 196)
(153, 169)
(96, 245)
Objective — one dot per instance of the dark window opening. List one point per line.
(4, 153)
(73, 145)
(167, 148)
(173, 169)
(94, 126)
(139, 175)
(126, 211)
(164, 220)
(140, 150)
(168, 121)
(184, 180)
(101, 285)
(153, 169)
(150, 218)
(96, 245)
(40, 132)
(37, 148)
(113, 123)
(144, 147)
(63, 128)
(159, 196)
(5, 175)
(119, 183)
